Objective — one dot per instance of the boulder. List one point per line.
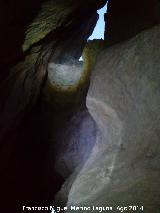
(123, 168)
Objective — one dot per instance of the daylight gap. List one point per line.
(99, 29)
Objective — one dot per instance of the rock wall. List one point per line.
(125, 19)
(124, 97)
(34, 34)
(35, 134)
(57, 34)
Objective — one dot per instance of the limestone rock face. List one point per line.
(57, 34)
(123, 168)
(35, 33)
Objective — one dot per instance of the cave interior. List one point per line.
(51, 115)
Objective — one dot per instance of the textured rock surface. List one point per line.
(14, 18)
(75, 144)
(58, 38)
(53, 15)
(26, 122)
(124, 100)
(29, 126)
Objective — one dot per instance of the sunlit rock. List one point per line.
(64, 75)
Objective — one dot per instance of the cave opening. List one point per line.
(99, 30)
